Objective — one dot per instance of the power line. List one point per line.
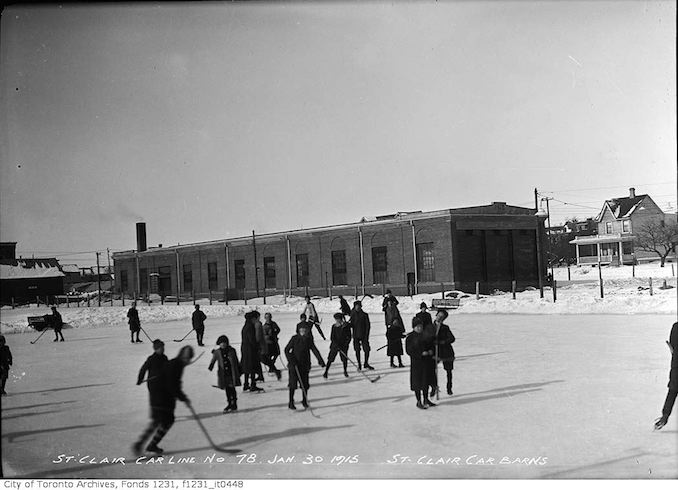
(608, 187)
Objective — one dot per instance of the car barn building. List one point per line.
(405, 252)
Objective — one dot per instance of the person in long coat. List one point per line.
(249, 353)
(360, 325)
(420, 351)
(228, 371)
(344, 307)
(424, 315)
(5, 362)
(298, 352)
(134, 323)
(264, 354)
(395, 332)
(390, 307)
(673, 379)
(198, 321)
(57, 324)
(444, 340)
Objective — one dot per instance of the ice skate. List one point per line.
(153, 448)
(660, 422)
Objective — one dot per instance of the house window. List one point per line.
(379, 265)
(269, 272)
(212, 277)
(425, 262)
(188, 278)
(626, 226)
(239, 269)
(123, 281)
(302, 270)
(608, 227)
(339, 267)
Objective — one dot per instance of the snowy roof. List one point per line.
(70, 269)
(29, 269)
(622, 207)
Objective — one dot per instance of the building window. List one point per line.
(302, 270)
(188, 278)
(239, 268)
(123, 281)
(608, 227)
(164, 280)
(269, 272)
(425, 262)
(626, 226)
(339, 267)
(379, 265)
(212, 277)
(143, 281)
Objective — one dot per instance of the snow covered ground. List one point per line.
(536, 396)
(623, 294)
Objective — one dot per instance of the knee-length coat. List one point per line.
(226, 355)
(249, 349)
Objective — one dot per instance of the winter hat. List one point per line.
(423, 305)
(388, 291)
(357, 303)
(417, 321)
(222, 339)
(338, 316)
(158, 343)
(444, 312)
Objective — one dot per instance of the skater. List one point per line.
(264, 356)
(304, 322)
(134, 323)
(57, 324)
(249, 352)
(360, 324)
(421, 353)
(395, 332)
(271, 332)
(5, 362)
(298, 354)
(228, 372)
(343, 304)
(424, 315)
(389, 301)
(673, 379)
(340, 339)
(429, 334)
(445, 339)
(198, 320)
(164, 400)
(154, 365)
(309, 310)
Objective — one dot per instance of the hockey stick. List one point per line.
(371, 380)
(196, 359)
(184, 337)
(317, 325)
(382, 347)
(41, 334)
(303, 390)
(670, 346)
(146, 334)
(207, 435)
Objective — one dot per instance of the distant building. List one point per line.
(22, 280)
(616, 222)
(493, 244)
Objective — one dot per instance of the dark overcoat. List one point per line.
(394, 335)
(228, 369)
(415, 346)
(673, 341)
(198, 320)
(249, 350)
(360, 323)
(154, 365)
(271, 332)
(170, 390)
(133, 319)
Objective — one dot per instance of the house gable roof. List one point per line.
(622, 207)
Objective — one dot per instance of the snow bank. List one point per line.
(622, 296)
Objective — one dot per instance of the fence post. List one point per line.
(87, 301)
(673, 271)
(264, 294)
(13, 302)
(356, 292)
(330, 290)
(651, 291)
(123, 299)
(477, 289)
(554, 290)
(568, 272)
(78, 301)
(162, 299)
(210, 297)
(244, 295)
(442, 290)
(178, 298)
(513, 289)
(226, 296)
(600, 279)
(383, 289)
(193, 295)
(37, 301)
(306, 291)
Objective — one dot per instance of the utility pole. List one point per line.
(548, 220)
(108, 257)
(256, 267)
(538, 238)
(98, 281)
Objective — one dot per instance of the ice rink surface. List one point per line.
(535, 396)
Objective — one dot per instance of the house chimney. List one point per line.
(141, 237)
(632, 192)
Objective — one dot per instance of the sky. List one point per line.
(210, 120)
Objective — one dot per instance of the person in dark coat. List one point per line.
(164, 401)
(429, 333)
(198, 321)
(228, 371)
(444, 340)
(390, 307)
(5, 362)
(153, 366)
(345, 308)
(360, 324)
(57, 324)
(249, 352)
(340, 339)
(424, 315)
(673, 379)
(420, 352)
(394, 343)
(134, 323)
(304, 322)
(264, 355)
(271, 332)
(298, 354)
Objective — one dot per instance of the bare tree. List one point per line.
(659, 237)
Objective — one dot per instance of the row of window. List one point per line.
(425, 271)
(626, 226)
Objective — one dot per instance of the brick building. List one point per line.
(414, 251)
